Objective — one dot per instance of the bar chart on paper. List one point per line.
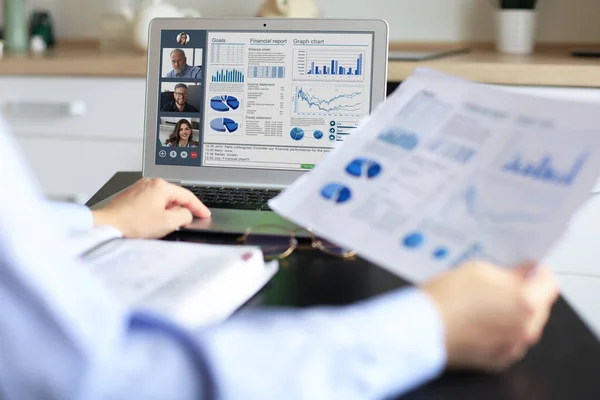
(545, 169)
(339, 64)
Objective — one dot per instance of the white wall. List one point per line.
(411, 20)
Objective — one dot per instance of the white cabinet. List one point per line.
(578, 250)
(568, 93)
(75, 132)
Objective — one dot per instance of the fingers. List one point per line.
(178, 217)
(183, 197)
(508, 357)
(541, 292)
(543, 288)
(526, 269)
(536, 325)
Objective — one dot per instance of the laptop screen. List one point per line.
(266, 100)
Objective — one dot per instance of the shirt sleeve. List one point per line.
(71, 217)
(197, 72)
(63, 336)
(384, 346)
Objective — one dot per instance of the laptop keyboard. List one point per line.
(235, 198)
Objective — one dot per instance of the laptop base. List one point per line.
(233, 221)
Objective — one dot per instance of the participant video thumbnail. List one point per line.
(179, 132)
(182, 63)
(180, 97)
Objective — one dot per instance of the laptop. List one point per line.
(242, 107)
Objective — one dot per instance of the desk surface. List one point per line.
(562, 366)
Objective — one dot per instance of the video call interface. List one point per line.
(267, 100)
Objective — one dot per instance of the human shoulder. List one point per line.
(190, 108)
(196, 71)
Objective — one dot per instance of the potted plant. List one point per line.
(516, 26)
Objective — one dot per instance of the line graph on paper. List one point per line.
(328, 100)
(477, 207)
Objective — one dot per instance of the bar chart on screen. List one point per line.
(338, 64)
(228, 75)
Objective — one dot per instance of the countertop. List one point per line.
(551, 66)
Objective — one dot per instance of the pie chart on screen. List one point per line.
(224, 103)
(224, 125)
(297, 133)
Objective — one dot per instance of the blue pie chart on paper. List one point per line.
(336, 192)
(224, 103)
(363, 167)
(297, 133)
(440, 253)
(318, 134)
(413, 240)
(224, 125)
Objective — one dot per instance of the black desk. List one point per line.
(564, 365)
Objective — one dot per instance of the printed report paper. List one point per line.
(447, 170)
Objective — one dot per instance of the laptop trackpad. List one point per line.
(236, 221)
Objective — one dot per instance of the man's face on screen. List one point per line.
(181, 96)
(178, 61)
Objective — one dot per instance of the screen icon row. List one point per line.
(173, 154)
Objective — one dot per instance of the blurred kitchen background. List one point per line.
(410, 20)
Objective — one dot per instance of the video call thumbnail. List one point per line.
(179, 132)
(180, 97)
(182, 63)
(183, 38)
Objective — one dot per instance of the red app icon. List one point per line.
(194, 154)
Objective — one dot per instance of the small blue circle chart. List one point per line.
(224, 103)
(364, 167)
(331, 137)
(332, 123)
(224, 125)
(318, 134)
(440, 253)
(332, 130)
(336, 192)
(297, 133)
(413, 240)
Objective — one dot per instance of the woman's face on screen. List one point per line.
(185, 132)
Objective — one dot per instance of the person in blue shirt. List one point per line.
(181, 69)
(63, 336)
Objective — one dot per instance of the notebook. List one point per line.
(191, 283)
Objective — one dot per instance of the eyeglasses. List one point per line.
(277, 242)
(177, 94)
